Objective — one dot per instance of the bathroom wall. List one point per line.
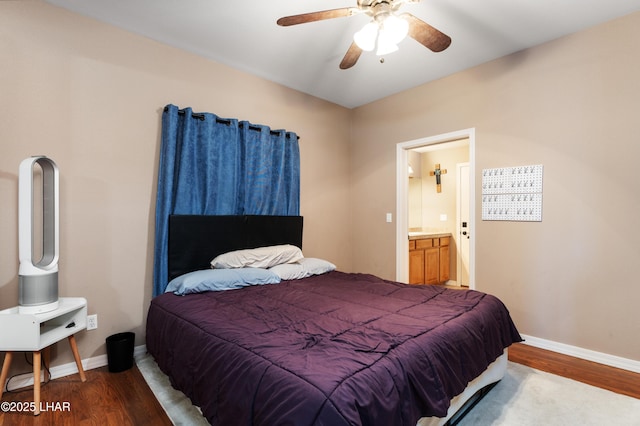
(436, 205)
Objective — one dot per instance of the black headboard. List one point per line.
(195, 240)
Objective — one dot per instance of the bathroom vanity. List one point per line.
(429, 258)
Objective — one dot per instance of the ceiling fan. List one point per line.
(386, 29)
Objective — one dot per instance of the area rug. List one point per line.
(524, 397)
(530, 397)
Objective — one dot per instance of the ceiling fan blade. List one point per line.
(351, 57)
(317, 16)
(426, 35)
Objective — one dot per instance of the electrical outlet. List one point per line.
(92, 322)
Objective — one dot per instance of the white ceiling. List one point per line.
(243, 34)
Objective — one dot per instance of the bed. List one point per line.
(331, 348)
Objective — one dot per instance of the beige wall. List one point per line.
(90, 97)
(570, 105)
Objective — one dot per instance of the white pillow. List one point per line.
(303, 268)
(261, 257)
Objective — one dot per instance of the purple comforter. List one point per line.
(336, 349)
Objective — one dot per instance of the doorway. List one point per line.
(463, 227)
(403, 151)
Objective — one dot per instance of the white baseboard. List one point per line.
(24, 380)
(586, 354)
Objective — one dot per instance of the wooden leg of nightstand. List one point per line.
(46, 357)
(5, 370)
(76, 356)
(36, 382)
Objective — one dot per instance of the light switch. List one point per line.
(389, 218)
(443, 217)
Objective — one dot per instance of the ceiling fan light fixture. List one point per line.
(386, 44)
(386, 30)
(382, 35)
(366, 37)
(395, 28)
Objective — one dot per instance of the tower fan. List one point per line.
(38, 241)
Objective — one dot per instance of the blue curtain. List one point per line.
(217, 166)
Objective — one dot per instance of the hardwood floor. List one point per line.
(610, 378)
(123, 399)
(109, 399)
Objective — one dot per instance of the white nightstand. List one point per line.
(37, 332)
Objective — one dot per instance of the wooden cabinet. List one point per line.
(445, 259)
(416, 264)
(429, 260)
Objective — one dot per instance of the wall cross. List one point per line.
(437, 172)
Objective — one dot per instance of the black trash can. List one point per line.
(120, 351)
